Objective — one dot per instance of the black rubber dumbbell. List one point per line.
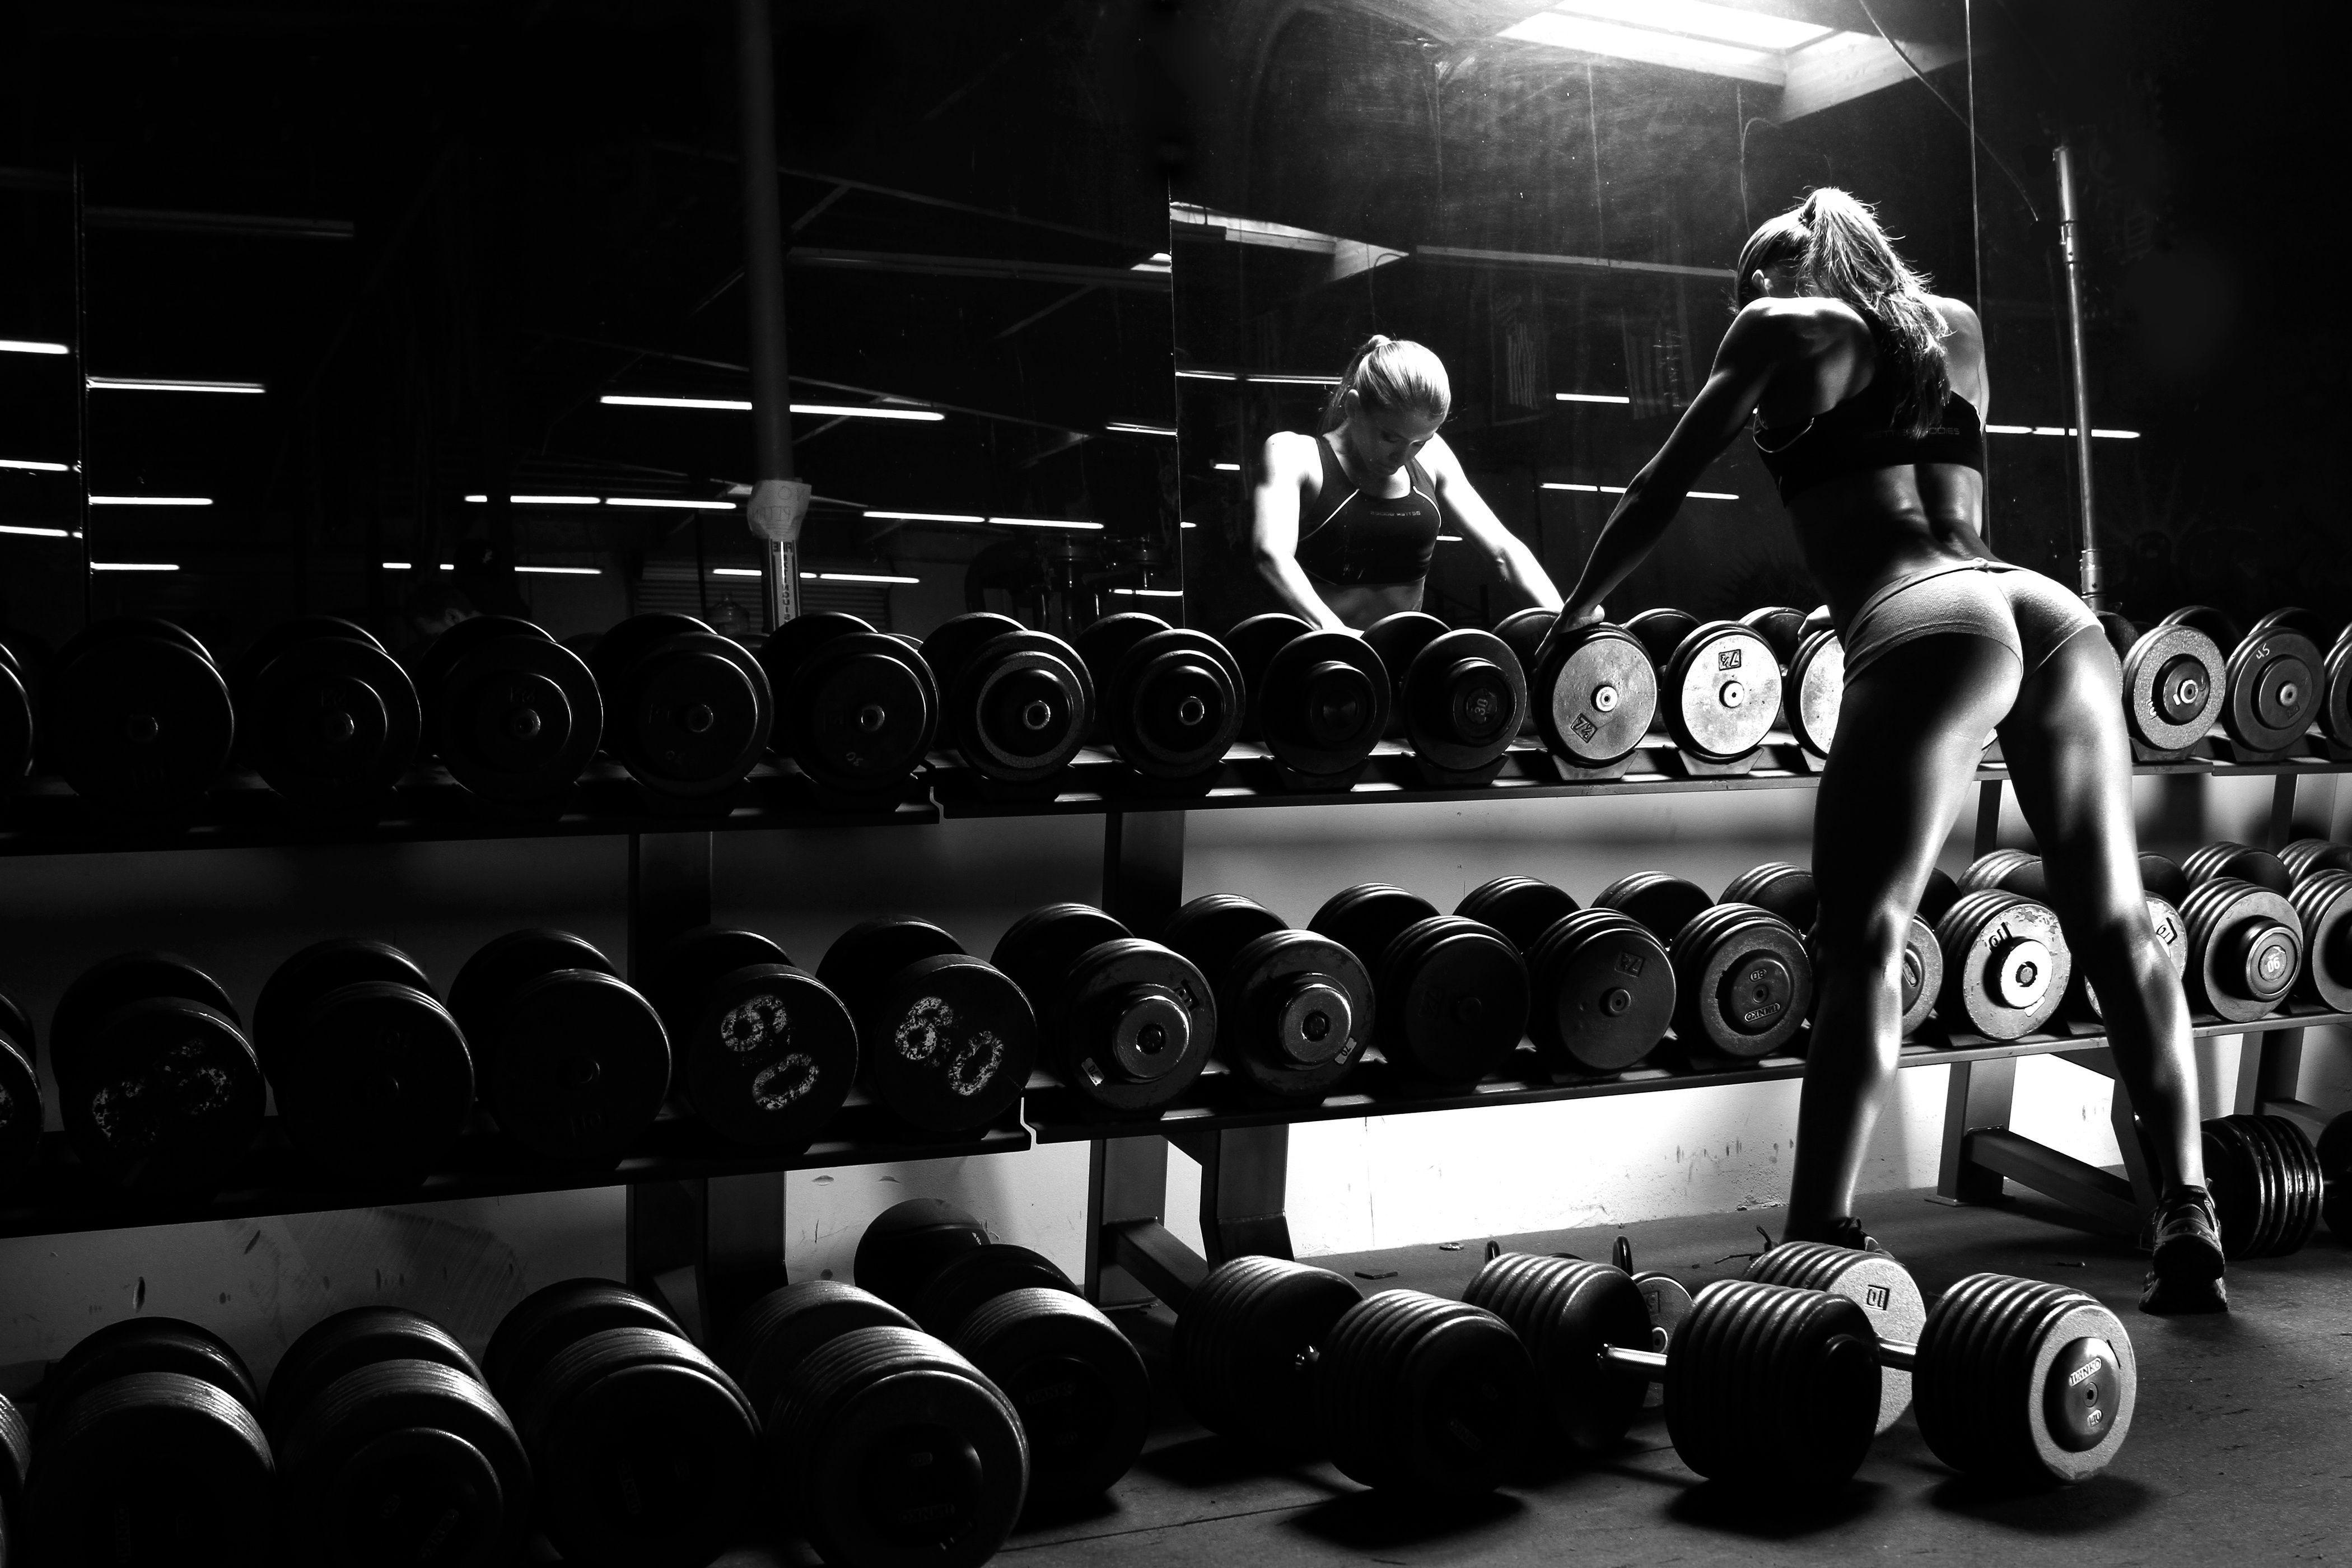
(1593, 692)
(147, 1451)
(2269, 1186)
(1452, 993)
(15, 723)
(1788, 892)
(325, 715)
(1168, 701)
(1775, 1386)
(1743, 980)
(766, 1052)
(2016, 871)
(375, 1078)
(513, 714)
(571, 1059)
(1457, 696)
(20, 1093)
(159, 1087)
(1601, 987)
(390, 1448)
(2336, 704)
(2175, 681)
(856, 709)
(686, 710)
(642, 1450)
(1295, 1009)
(1318, 700)
(136, 716)
(1523, 632)
(2304, 856)
(1127, 1024)
(1081, 1389)
(1718, 683)
(1016, 705)
(1405, 1392)
(2277, 681)
(2227, 857)
(2323, 906)
(16, 1464)
(2246, 948)
(945, 1040)
(883, 1446)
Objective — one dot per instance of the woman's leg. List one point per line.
(1910, 729)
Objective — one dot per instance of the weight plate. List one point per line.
(2010, 870)
(1722, 692)
(442, 655)
(766, 1345)
(1662, 903)
(165, 1097)
(1106, 640)
(1323, 702)
(859, 713)
(1037, 949)
(1246, 1348)
(2245, 949)
(1018, 708)
(1454, 1000)
(516, 718)
(20, 1109)
(1424, 1396)
(1922, 976)
(1523, 632)
(1397, 638)
(135, 717)
(1212, 928)
(2335, 1157)
(203, 1470)
(1521, 908)
(953, 642)
(537, 1329)
(947, 1042)
(1133, 1024)
(1781, 626)
(612, 652)
(910, 1241)
(1173, 705)
(866, 955)
(689, 712)
(781, 655)
(2306, 855)
(1743, 981)
(504, 964)
(1769, 1387)
(682, 973)
(2226, 858)
(1595, 693)
(2213, 622)
(1295, 1011)
(376, 1081)
(975, 1277)
(1566, 1312)
(1080, 1387)
(1366, 918)
(329, 719)
(2323, 905)
(295, 986)
(574, 1066)
(1880, 1287)
(1938, 894)
(2175, 684)
(2006, 965)
(1601, 993)
(769, 1058)
(1462, 700)
(129, 1346)
(1776, 887)
(1253, 643)
(2336, 703)
(1812, 691)
(347, 1341)
(15, 730)
(113, 981)
(2277, 684)
(1660, 631)
(2165, 878)
(2021, 1381)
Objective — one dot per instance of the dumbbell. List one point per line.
(160, 1089)
(1778, 1387)
(688, 711)
(1457, 696)
(1523, 632)
(1788, 892)
(136, 716)
(2246, 948)
(766, 1052)
(513, 714)
(2268, 1184)
(2016, 871)
(2175, 681)
(1403, 1391)
(571, 1059)
(2303, 857)
(1015, 704)
(2278, 681)
(1743, 981)
(1168, 700)
(1295, 1009)
(16, 722)
(1127, 1024)
(856, 709)
(2323, 906)
(375, 1078)
(1592, 689)
(945, 1040)
(1719, 687)
(20, 1092)
(2227, 857)
(642, 1450)
(390, 1448)
(1083, 1394)
(2007, 966)
(1601, 987)
(16, 1464)
(1812, 670)
(1452, 993)
(884, 1446)
(1318, 700)
(2336, 705)
(325, 715)
(147, 1451)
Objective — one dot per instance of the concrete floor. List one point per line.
(2240, 1451)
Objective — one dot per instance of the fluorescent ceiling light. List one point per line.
(1229, 467)
(405, 566)
(738, 571)
(160, 384)
(1648, 45)
(1187, 526)
(1206, 376)
(34, 533)
(1158, 261)
(2058, 430)
(31, 346)
(133, 566)
(150, 500)
(1046, 522)
(542, 500)
(1591, 397)
(1294, 380)
(1151, 593)
(1620, 490)
(739, 404)
(33, 467)
(564, 571)
(1449, 539)
(1698, 19)
(662, 501)
(1139, 429)
(742, 405)
(926, 516)
(858, 577)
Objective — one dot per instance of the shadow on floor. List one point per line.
(1368, 1521)
(1768, 1516)
(1208, 1461)
(2100, 1503)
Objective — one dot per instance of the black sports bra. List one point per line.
(1863, 433)
(1349, 539)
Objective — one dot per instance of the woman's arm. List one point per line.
(1752, 349)
(1463, 507)
(1283, 468)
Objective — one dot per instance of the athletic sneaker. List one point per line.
(2185, 1274)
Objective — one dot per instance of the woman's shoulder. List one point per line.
(1291, 451)
(1806, 323)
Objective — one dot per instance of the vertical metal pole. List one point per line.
(1143, 868)
(1127, 1179)
(81, 401)
(778, 501)
(2070, 240)
(1979, 1094)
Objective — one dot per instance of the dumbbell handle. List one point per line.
(1892, 1353)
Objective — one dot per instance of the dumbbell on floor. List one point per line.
(1015, 704)
(513, 714)
(945, 1040)
(1743, 981)
(1788, 892)
(571, 1059)
(855, 708)
(688, 711)
(1452, 993)
(1127, 1024)
(1601, 987)
(883, 1446)
(147, 1451)
(766, 1052)
(1457, 696)
(20, 1093)
(1083, 1394)
(1318, 700)
(1295, 1009)
(643, 1450)
(159, 1087)
(2269, 1186)
(135, 716)
(1168, 701)
(390, 1447)
(325, 715)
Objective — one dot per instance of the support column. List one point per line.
(1143, 868)
(1127, 1181)
(1244, 1186)
(1978, 1096)
(778, 501)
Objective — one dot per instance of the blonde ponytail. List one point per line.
(1390, 376)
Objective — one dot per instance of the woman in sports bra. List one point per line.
(1344, 522)
(1868, 395)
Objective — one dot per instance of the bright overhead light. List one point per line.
(1699, 19)
(133, 566)
(1206, 376)
(738, 404)
(1591, 397)
(34, 533)
(926, 516)
(542, 500)
(2058, 430)
(405, 566)
(1229, 467)
(1139, 429)
(1158, 261)
(563, 571)
(1187, 526)
(160, 384)
(738, 571)
(1620, 490)
(1151, 593)
(150, 500)
(743, 405)
(1293, 380)
(1046, 522)
(32, 466)
(858, 577)
(31, 346)
(665, 501)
